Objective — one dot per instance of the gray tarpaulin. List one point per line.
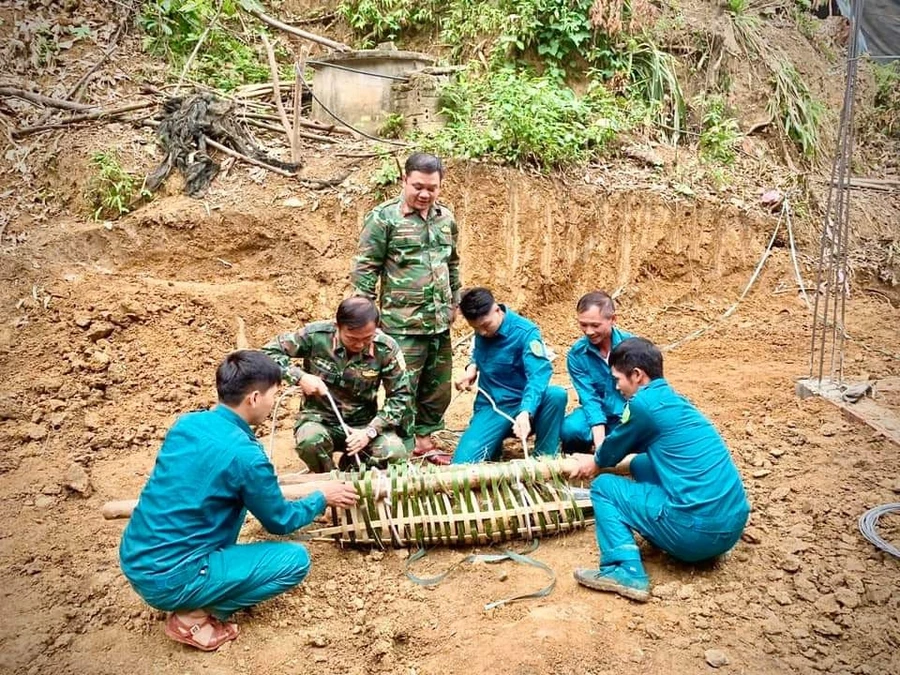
(880, 27)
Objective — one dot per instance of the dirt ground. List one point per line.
(110, 331)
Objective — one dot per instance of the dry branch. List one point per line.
(312, 37)
(309, 124)
(302, 134)
(87, 117)
(190, 59)
(276, 92)
(40, 99)
(237, 155)
(298, 100)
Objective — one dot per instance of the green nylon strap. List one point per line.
(491, 559)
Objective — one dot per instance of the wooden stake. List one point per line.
(276, 87)
(299, 67)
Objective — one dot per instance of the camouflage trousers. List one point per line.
(429, 360)
(317, 443)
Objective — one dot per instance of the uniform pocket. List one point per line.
(405, 297)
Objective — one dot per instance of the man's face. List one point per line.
(356, 340)
(488, 325)
(261, 404)
(627, 384)
(596, 325)
(421, 190)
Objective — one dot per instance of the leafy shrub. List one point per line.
(172, 29)
(720, 132)
(524, 119)
(111, 190)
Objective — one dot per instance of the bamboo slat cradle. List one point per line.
(458, 505)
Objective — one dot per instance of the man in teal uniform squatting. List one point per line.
(348, 358)
(686, 497)
(511, 364)
(602, 404)
(408, 246)
(179, 551)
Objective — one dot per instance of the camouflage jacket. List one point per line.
(417, 264)
(352, 379)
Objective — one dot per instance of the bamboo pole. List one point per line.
(294, 490)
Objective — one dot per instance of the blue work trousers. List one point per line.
(622, 505)
(233, 578)
(576, 433)
(483, 440)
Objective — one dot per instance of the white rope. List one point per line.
(786, 212)
(731, 310)
(344, 426)
(503, 414)
(271, 453)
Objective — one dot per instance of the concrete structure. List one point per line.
(357, 86)
(418, 99)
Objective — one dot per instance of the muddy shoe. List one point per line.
(615, 580)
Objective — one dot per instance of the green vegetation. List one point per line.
(550, 83)
(380, 20)
(524, 119)
(720, 133)
(800, 114)
(737, 7)
(225, 60)
(887, 97)
(387, 175)
(392, 126)
(792, 103)
(515, 106)
(112, 191)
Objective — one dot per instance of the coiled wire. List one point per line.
(868, 524)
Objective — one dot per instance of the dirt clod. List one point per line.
(715, 658)
(77, 480)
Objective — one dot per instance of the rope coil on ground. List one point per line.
(868, 526)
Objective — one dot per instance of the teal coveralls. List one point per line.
(601, 402)
(513, 368)
(178, 550)
(686, 496)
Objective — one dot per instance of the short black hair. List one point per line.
(476, 302)
(244, 371)
(423, 162)
(637, 352)
(356, 312)
(599, 299)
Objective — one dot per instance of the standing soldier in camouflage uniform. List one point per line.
(409, 244)
(348, 358)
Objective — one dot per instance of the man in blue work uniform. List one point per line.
(179, 551)
(602, 404)
(512, 367)
(686, 497)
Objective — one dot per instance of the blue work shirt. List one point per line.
(513, 367)
(594, 382)
(210, 470)
(693, 463)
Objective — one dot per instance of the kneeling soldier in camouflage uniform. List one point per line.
(348, 358)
